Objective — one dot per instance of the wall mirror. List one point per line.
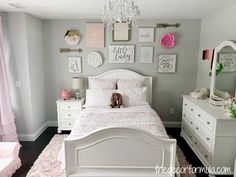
(223, 80)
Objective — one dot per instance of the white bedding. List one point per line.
(143, 117)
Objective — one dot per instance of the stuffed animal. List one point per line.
(116, 100)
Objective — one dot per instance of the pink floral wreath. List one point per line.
(167, 40)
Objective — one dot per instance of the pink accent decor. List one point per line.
(7, 124)
(167, 40)
(65, 94)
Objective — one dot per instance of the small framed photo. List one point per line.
(228, 60)
(121, 31)
(74, 64)
(146, 34)
(167, 63)
(146, 54)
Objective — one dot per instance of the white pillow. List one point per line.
(134, 96)
(98, 97)
(107, 84)
(129, 83)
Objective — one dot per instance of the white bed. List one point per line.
(127, 142)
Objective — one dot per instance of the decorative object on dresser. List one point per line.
(65, 94)
(222, 84)
(94, 35)
(146, 54)
(146, 34)
(208, 131)
(167, 63)
(167, 40)
(121, 54)
(67, 50)
(67, 113)
(74, 64)
(121, 31)
(72, 37)
(77, 86)
(94, 59)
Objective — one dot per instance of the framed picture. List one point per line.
(146, 34)
(94, 35)
(146, 54)
(229, 61)
(167, 63)
(121, 32)
(74, 64)
(121, 54)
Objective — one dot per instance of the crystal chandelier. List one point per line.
(120, 11)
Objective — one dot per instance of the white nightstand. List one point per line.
(67, 113)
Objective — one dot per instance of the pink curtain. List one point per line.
(7, 124)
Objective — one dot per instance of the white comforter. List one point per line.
(143, 117)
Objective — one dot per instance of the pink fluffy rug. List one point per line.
(47, 164)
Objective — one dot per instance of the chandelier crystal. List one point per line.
(120, 11)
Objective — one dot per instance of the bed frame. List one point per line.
(120, 152)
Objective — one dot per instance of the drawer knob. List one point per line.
(183, 115)
(68, 106)
(197, 128)
(190, 137)
(69, 114)
(191, 122)
(183, 128)
(192, 109)
(195, 143)
(69, 123)
(199, 115)
(208, 123)
(206, 156)
(208, 139)
(185, 104)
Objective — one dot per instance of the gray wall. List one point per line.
(25, 62)
(167, 88)
(214, 30)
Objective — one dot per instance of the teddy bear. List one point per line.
(116, 100)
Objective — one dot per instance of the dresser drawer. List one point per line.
(68, 114)
(202, 151)
(69, 106)
(187, 132)
(67, 124)
(204, 135)
(188, 119)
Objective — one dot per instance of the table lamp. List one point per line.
(77, 86)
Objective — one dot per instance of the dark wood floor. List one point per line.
(30, 150)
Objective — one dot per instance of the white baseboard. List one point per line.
(172, 124)
(33, 136)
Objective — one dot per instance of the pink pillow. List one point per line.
(107, 84)
(129, 83)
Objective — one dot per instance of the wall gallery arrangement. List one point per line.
(146, 34)
(121, 32)
(146, 54)
(94, 59)
(94, 35)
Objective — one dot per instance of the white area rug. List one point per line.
(47, 164)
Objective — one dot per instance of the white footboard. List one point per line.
(119, 152)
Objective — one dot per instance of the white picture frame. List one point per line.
(121, 31)
(229, 61)
(167, 63)
(146, 54)
(121, 54)
(146, 34)
(74, 64)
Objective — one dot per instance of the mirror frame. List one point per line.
(213, 71)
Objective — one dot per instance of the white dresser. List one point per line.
(209, 132)
(67, 113)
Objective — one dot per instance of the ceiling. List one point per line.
(90, 9)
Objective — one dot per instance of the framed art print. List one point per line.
(74, 64)
(229, 61)
(121, 54)
(94, 35)
(121, 32)
(146, 54)
(146, 34)
(167, 63)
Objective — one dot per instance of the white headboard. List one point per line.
(126, 74)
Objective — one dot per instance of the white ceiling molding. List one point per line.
(90, 9)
